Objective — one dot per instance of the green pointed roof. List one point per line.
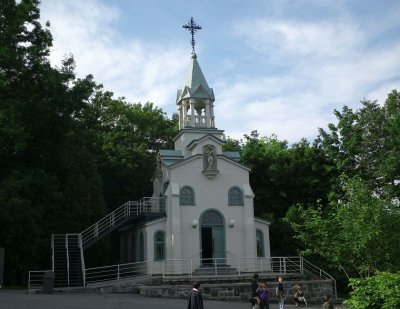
(195, 84)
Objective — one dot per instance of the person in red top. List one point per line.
(195, 300)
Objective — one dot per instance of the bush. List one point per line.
(377, 292)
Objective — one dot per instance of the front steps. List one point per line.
(214, 270)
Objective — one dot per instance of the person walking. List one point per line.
(280, 293)
(195, 300)
(254, 286)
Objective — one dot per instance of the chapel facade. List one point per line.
(208, 217)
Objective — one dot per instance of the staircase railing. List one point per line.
(117, 272)
(313, 271)
(190, 267)
(131, 208)
(82, 260)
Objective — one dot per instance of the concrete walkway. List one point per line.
(22, 300)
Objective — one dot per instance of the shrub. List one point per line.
(380, 291)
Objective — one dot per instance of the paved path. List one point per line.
(22, 300)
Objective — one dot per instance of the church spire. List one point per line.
(195, 100)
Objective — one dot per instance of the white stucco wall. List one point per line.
(183, 240)
(213, 194)
(187, 136)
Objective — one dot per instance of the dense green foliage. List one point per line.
(47, 171)
(127, 137)
(357, 231)
(377, 292)
(282, 176)
(68, 151)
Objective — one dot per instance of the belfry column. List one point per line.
(212, 115)
(181, 119)
(208, 118)
(192, 123)
(184, 113)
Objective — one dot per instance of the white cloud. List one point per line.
(289, 78)
(138, 70)
(327, 66)
(283, 39)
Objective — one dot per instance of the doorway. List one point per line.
(212, 238)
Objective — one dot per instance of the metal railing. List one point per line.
(82, 260)
(131, 208)
(231, 266)
(118, 272)
(312, 271)
(35, 280)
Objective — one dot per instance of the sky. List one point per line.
(276, 66)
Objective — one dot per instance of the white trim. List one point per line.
(263, 221)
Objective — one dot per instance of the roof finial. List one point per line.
(192, 27)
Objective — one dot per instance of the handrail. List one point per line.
(181, 267)
(35, 279)
(67, 254)
(322, 274)
(129, 209)
(82, 259)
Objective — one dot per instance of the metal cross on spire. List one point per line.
(192, 27)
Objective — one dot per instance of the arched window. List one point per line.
(235, 197)
(186, 196)
(159, 246)
(260, 243)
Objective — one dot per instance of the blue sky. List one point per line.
(277, 66)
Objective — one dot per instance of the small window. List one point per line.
(159, 246)
(235, 197)
(260, 243)
(186, 196)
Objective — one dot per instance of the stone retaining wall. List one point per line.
(314, 291)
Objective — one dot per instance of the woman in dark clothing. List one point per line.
(254, 286)
(195, 300)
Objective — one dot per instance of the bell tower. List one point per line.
(195, 100)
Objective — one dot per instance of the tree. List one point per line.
(48, 174)
(357, 233)
(365, 142)
(128, 137)
(284, 176)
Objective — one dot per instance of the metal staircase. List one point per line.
(67, 249)
(68, 262)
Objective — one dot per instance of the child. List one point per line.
(329, 302)
(299, 298)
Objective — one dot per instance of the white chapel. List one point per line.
(209, 215)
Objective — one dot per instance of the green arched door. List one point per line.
(212, 233)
